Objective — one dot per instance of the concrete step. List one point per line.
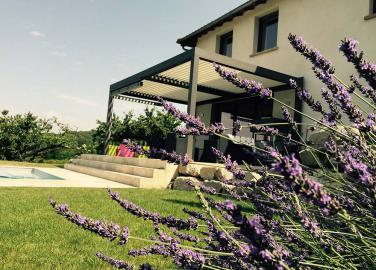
(128, 179)
(115, 167)
(140, 162)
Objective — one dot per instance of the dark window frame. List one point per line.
(373, 7)
(263, 22)
(224, 41)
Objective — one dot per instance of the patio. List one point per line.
(189, 78)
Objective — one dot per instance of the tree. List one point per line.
(25, 136)
(153, 127)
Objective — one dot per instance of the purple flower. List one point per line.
(106, 230)
(231, 166)
(251, 87)
(366, 91)
(265, 255)
(124, 236)
(189, 259)
(119, 264)
(370, 122)
(324, 70)
(202, 187)
(138, 211)
(266, 129)
(155, 250)
(162, 154)
(313, 55)
(194, 125)
(256, 225)
(185, 236)
(291, 169)
(287, 117)
(365, 68)
(236, 126)
(306, 97)
(195, 214)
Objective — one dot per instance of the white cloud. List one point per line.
(78, 100)
(78, 63)
(37, 34)
(59, 53)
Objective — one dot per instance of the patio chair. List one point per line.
(112, 150)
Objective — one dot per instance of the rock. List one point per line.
(307, 158)
(252, 176)
(213, 184)
(222, 174)
(318, 139)
(180, 183)
(190, 169)
(208, 173)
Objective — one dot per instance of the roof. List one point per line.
(191, 39)
(171, 78)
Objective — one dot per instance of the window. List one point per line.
(372, 10)
(267, 34)
(225, 44)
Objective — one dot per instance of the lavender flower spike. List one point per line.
(231, 166)
(291, 169)
(251, 87)
(169, 221)
(106, 230)
(119, 264)
(189, 259)
(365, 68)
(306, 97)
(313, 55)
(287, 116)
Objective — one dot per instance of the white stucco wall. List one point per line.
(322, 23)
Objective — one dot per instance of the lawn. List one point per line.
(33, 236)
(45, 164)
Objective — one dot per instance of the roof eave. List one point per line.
(190, 40)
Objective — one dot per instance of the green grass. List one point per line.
(33, 236)
(46, 164)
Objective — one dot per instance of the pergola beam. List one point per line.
(152, 97)
(185, 85)
(156, 69)
(242, 95)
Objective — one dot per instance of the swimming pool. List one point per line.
(25, 173)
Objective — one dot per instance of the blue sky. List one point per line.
(58, 58)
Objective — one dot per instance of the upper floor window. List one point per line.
(267, 34)
(225, 44)
(372, 10)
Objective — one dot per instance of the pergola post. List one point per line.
(192, 98)
(110, 109)
(299, 105)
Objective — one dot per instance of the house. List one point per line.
(251, 40)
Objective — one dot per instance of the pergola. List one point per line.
(189, 78)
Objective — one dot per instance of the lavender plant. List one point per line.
(301, 218)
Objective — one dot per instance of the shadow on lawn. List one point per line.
(184, 202)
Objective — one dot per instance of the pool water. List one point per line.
(25, 173)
